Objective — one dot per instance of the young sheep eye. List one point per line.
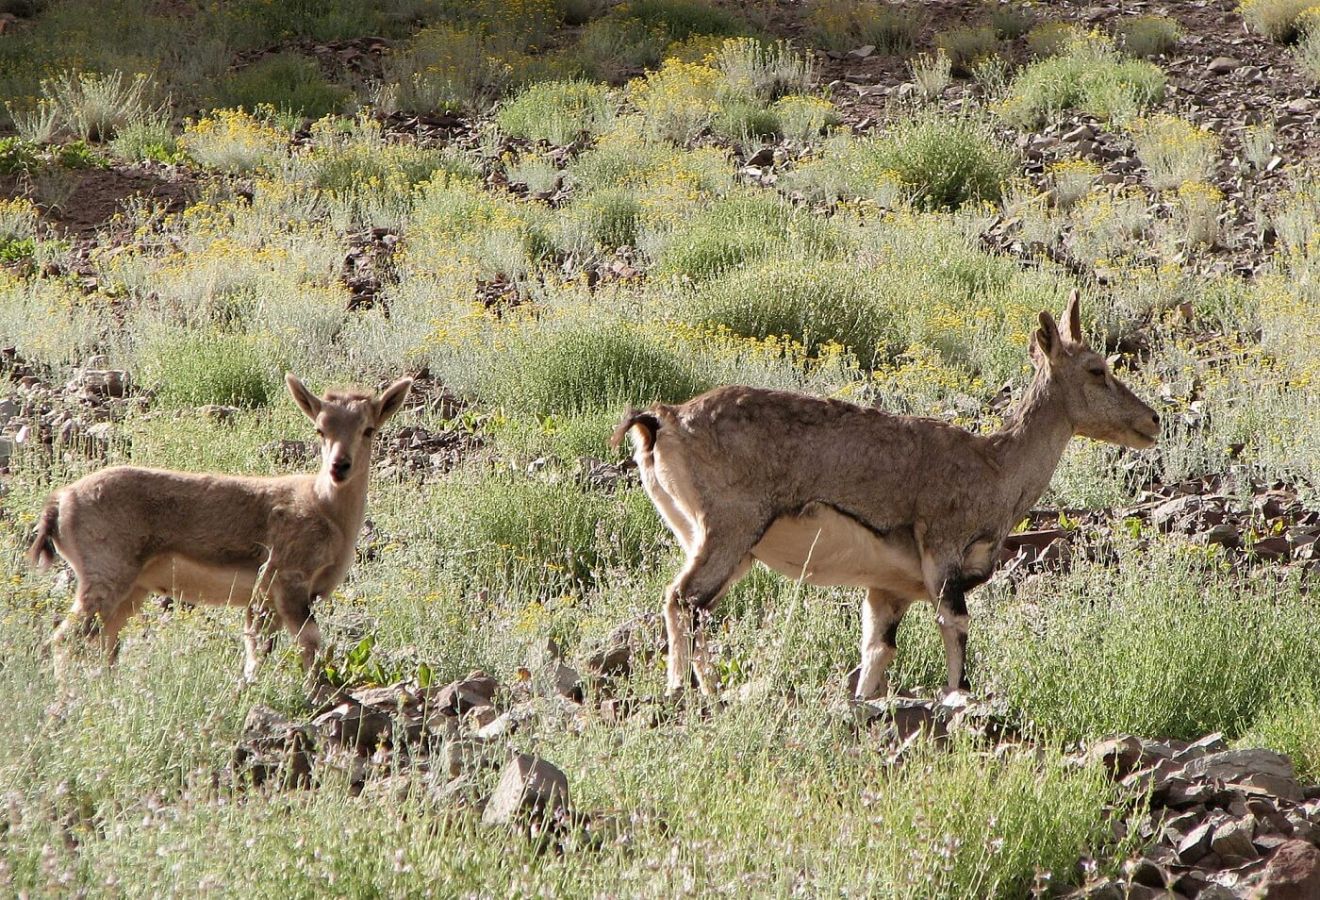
(1098, 373)
(368, 432)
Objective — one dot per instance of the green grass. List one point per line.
(1088, 76)
(1166, 644)
(967, 46)
(606, 220)
(945, 162)
(557, 111)
(574, 368)
(541, 538)
(194, 369)
(902, 265)
(740, 229)
(844, 25)
(1146, 36)
(812, 303)
(288, 82)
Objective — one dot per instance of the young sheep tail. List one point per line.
(42, 551)
(646, 421)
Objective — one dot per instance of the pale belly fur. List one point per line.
(194, 582)
(825, 548)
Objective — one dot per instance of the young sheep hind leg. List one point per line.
(114, 623)
(954, 622)
(96, 604)
(707, 680)
(881, 613)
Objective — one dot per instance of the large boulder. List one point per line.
(530, 788)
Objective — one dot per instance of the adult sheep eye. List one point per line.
(368, 432)
(1098, 372)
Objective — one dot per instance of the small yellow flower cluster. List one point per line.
(1050, 38)
(1173, 149)
(1290, 328)
(231, 140)
(678, 100)
(1067, 167)
(920, 371)
(18, 218)
(1199, 194)
(804, 116)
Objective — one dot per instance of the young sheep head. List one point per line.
(346, 423)
(1097, 404)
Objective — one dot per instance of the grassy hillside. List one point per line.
(551, 210)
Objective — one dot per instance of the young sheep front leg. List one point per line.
(258, 637)
(292, 597)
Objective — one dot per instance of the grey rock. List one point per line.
(1120, 755)
(272, 748)
(217, 412)
(351, 724)
(94, 383)
(529, 787)
(1195, 844)
(467, 755)
(478, 689)
(1233, 839)
(1236, 765)
(1080, 133)
(1293, 873)
(1170, 511)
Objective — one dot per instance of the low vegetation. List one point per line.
(554, 210)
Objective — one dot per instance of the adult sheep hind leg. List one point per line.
(720, 555)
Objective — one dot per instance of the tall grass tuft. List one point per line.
(1089, 76)
(580, 368)
(557, 111)
(194, 368)
(288, 82)
(1174, 150)
(945, 161)
(1163, 644)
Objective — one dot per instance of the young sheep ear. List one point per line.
(1073, 316)
(1047, 343)
(390, 399)
(308, 402)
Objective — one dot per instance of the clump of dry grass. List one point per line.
(1146, 36)
(844, 25)
(1276, 19)
(967, 46)
(1174, 150)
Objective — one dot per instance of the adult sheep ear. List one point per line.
(391, 400)
(1046, 342)
(308, 402)
(1072, 314)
